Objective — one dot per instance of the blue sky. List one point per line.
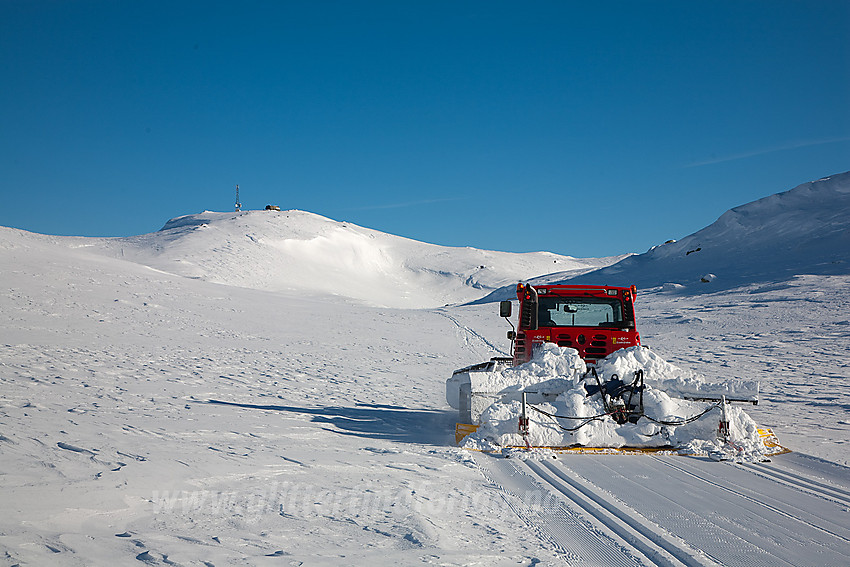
(581, 128)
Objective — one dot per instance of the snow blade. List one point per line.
(462, 430)
(771, 441)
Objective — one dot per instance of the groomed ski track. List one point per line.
(672, 511)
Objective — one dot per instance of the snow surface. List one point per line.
(311, 254)
(180, 398)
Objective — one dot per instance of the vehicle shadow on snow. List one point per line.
(375, 421)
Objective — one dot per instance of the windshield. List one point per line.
(579, 312)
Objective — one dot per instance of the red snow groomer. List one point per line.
(595, 320)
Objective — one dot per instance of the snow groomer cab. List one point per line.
(594, 320)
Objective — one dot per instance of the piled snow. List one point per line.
(675, 381)
(560, 367)
(551, 370)
(301, 252)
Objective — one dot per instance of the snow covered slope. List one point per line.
(310, 254)
(153, 419)
(802, 231)
(148, 418)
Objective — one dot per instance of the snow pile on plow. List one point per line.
(675, 381)
(631, 399)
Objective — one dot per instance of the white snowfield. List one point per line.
(310, 254)
(199, 396)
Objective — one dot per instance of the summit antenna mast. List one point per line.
(238, 204)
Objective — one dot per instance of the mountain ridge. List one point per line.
(804, 230)
(301, 252)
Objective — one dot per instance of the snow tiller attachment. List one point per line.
(579, 380)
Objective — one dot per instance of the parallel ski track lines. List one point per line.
(725, 511)
(554, 521)
(800, 482)
(647, 538)
(800, 513)
(672, 511)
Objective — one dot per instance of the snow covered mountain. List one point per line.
(805, 230)
(802, 231)
(309, 254)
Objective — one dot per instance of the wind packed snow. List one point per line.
(560, 369)
(267, 388)
(310, 254)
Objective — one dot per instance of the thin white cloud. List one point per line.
(763, 151)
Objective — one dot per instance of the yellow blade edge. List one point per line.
(771, 442)
(767, 436)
